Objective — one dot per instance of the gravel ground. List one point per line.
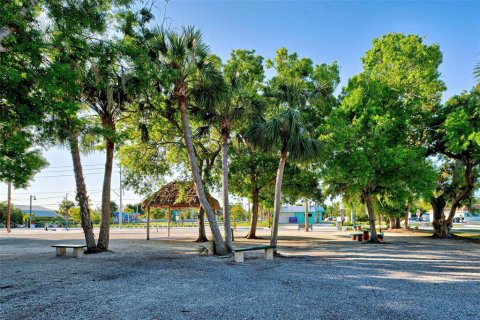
(321, 275)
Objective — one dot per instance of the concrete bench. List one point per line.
(302, 226)
(61, 249)
(239, 252)
(357, 236)
(364, 235)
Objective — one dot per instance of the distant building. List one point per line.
(38, 211)
(296, 214)
(464, 212)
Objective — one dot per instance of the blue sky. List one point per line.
(324, 31)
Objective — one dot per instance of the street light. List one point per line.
(30, 221)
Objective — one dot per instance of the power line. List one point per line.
(52, 192)
(72, 175)
(68, 170)
(71, 166)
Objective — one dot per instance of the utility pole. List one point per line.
(30, 219)
(66, 212)
(9, 200)
(32, 197)
(120, 214)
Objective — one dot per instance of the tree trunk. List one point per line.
(148, 223)
(392, 223)
(353, 215)
(202, 236)
(82, 195)
(469, 180)
(226, 206)
(440, 228)
(269, 220)
(253, 224)
(407, 215)
(278, 198)
(371, 216)
(306, 215)
(104, 236)
(180, 91)
(9, 205)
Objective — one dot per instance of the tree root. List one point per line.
(94, 250)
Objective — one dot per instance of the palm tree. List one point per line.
(221, 109)
(66, 130)
(286, 132)
(184, 57)
(476, 72)
(105, 94)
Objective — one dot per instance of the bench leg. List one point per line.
(354, 237)
(61, 251)
(238, 256)
(77, 252)
(268, 254)
(360, 237)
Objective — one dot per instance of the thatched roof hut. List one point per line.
(178, 195)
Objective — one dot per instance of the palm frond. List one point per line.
(476, 72)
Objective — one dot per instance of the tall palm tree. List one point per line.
(286, 133)
(222, 109)
(105, 94)
(183, 56)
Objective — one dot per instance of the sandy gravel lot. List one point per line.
(323, 275)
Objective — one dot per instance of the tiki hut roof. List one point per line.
(179, 195)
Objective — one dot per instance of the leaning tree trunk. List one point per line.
(407, 215)
(371, 216)
(253, 223)
(226, 206)
(81, 195)
(306, 215)
(202, 236)
(104, 236)
(278, 198)
(440, 228)
(181, 95)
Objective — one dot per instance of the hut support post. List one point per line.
(169, 218)
(148, 223)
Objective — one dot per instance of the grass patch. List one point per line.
(475, 236)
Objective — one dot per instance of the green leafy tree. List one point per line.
(16, 215)
(237, 212)
(455, 136)
(374, 137)
(252, 173)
